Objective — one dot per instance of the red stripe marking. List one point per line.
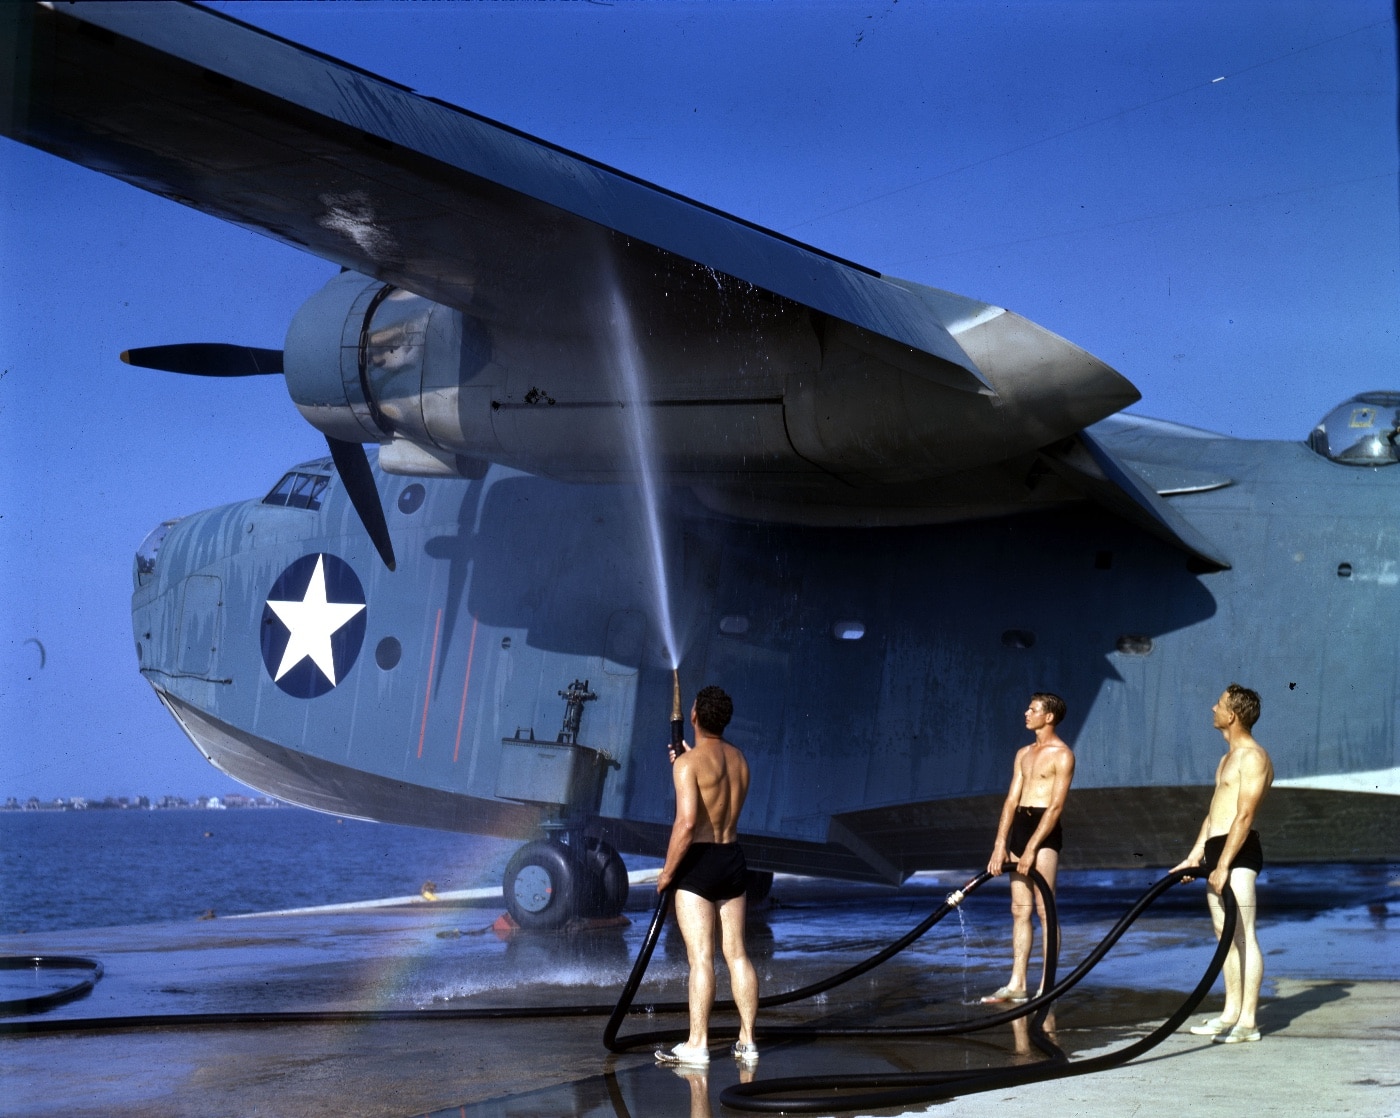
(428, 690)
(466, 683)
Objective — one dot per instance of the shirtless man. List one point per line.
(1029, 831)
(1229, 851)
(706, 866)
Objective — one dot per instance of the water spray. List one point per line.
(628, 376)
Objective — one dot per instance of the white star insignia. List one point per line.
(312, 622)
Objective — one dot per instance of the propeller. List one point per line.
(352, 463)
(207, 359)
(218, 359)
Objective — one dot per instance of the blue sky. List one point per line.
(1203, 195)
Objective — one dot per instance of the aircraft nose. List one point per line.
(148, 609)
(144, 569)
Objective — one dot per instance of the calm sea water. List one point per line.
(85, 869)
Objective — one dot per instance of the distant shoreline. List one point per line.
(233, 802)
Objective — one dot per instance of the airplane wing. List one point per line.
(876, 387)
(250, 128)
(1087, 464)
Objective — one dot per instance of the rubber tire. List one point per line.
(760, 885)
(612, 885)
(609, 882)
(565, 878)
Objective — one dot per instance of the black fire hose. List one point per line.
(38, 1003)
(799, 1095)
(663, 907)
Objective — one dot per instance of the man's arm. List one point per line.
(1198, 852)
(1059, 793)
(687, 811)
(1253, 778)
(1008, 810)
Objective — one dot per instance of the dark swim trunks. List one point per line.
(1250, 855)
(1023, 825)
(713, 870)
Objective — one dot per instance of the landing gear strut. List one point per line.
(567, 874)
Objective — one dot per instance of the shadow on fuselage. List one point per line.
(867, 666)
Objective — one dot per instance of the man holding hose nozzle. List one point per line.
(706, 865)
(1228, 850)
(1029, 831)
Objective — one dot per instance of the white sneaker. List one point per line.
(1213, 1027)
(1238, 1035)
(746, 1054)
(683, 1055)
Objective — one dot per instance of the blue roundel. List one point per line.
(313, 624)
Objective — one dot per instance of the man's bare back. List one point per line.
(706, 867)
(721, 778)
(712, 782)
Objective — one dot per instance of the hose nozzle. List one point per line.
(677, 722)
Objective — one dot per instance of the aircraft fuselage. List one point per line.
(878, 675)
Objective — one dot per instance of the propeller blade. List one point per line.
(352, 464)
(207, 359)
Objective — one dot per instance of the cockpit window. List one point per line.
(149, 551)
(298, 489)
(1364, 431)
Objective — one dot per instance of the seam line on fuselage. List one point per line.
(466, 683)
(428, 687)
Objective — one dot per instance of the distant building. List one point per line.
(36, 804)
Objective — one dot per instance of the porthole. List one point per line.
(848, 630)
(1134, 644)
(411, 499)
(1018, 638)
(1344, 570)
(505, 642)
(734, 625)
(387, 653)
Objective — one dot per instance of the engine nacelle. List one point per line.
(736, 385)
